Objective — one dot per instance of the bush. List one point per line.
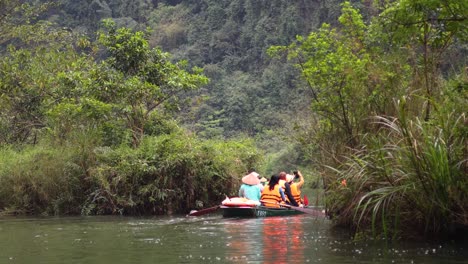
(167, 173)
(40, 180)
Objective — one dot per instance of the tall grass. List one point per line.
(39, 180)
(411, 179)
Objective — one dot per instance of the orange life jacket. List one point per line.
(296, 193)
(272, 197)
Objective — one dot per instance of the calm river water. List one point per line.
(203, 239)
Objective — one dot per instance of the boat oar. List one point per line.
(204, 211)
(310, 211)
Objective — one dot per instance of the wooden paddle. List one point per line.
(204, 211)
(306, 210)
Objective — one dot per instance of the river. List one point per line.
(203, 239)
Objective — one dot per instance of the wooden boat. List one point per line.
(242, 207)
(257, 211)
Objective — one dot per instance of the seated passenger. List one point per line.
(250, 187)
(271, 194)
(296, 187)
(285, 183)
(263, 182)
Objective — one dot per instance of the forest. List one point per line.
(158, 107)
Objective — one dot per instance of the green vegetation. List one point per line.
(389, 124)
(88, 129)
(101, 115)
(173, 172)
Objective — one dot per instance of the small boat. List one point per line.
(257, 211)
(242, 207)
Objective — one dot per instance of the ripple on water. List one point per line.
(210, 239)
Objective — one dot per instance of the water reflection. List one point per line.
(282, 240)
(241, 239)
(210, 239)
(268, 240)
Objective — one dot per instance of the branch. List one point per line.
(426, 20)
(8, 12)
(301, 64)
(151, 107)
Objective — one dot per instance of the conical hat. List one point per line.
(251, 179)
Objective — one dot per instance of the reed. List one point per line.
(410, 179)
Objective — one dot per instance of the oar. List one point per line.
(310, 211)
(204, 211)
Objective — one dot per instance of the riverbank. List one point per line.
(171, 173)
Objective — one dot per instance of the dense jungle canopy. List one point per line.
(143, 107)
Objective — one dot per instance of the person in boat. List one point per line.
(272, 195)
(285, 183)
(261, 185)
(295, 187)
(250, 188)
(263, 182)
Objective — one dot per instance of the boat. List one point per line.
(257, 211)
(242, 207)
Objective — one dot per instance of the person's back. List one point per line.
(251, 192)
(271, 196)
(285, 181)
(249, 188)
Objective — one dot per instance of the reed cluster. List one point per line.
(411, 178)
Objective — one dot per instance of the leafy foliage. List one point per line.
(108, 106)
(429, 28)
(345, 77)
(416, 171)
(168, 173)
(149, 79)
(395, 173)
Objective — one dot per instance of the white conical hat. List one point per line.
(251, 178)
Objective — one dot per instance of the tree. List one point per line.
(334, 64)
(429, 28)
(35, 52)
(148, 79)
(18, 21)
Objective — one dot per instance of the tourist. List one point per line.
(250, 188)
(263, 182)
(295, 187)
(285, 181)
(271, 194)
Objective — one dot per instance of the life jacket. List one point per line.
(272, 197)
(296, 193)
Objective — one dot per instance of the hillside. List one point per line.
(249, 92)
